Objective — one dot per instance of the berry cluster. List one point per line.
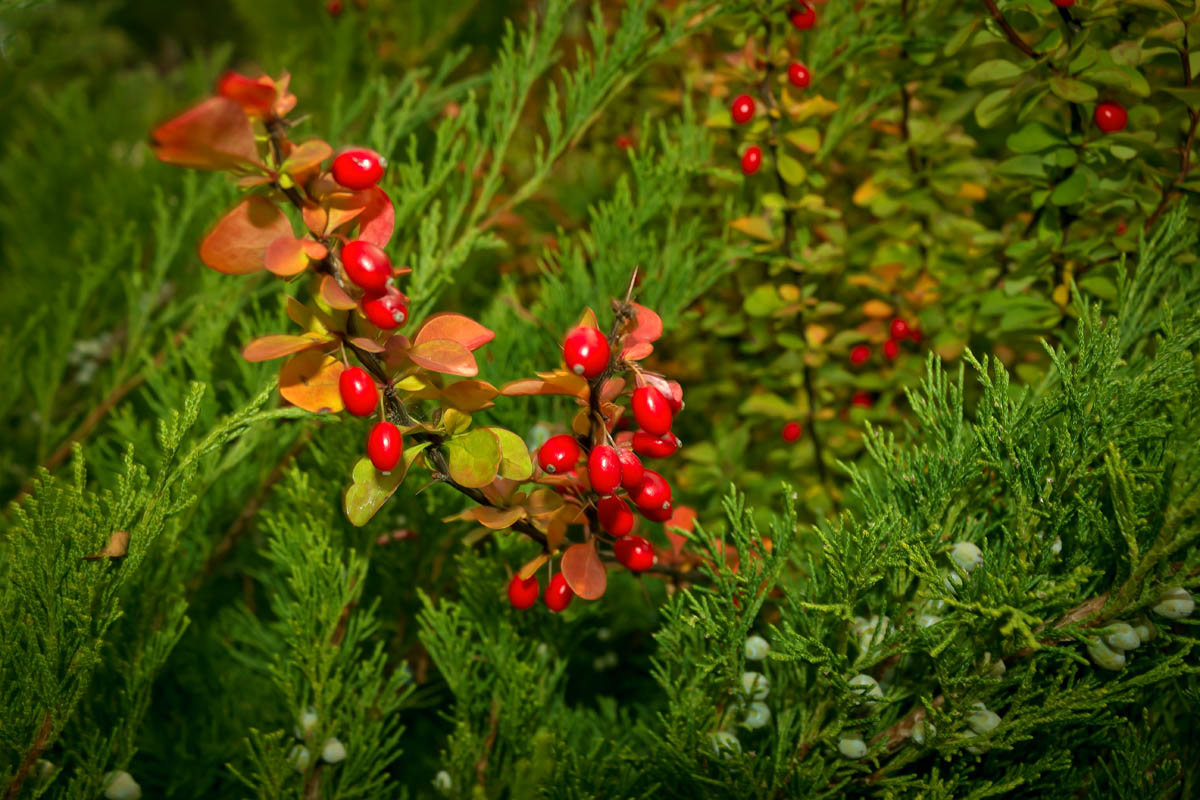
(899, 330)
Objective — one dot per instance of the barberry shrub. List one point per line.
(469, 539)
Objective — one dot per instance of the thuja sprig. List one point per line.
(350, 355)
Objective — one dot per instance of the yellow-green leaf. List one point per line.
(807, 139)
(515, 463)
(791, 170)
(474, 457)
(753, 226)
(371, 488)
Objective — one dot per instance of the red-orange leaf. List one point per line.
(336, 296)
(213, 134)
(497, 518)
(470, 395)
(565, 383)
(378, 219)
(637, 351)
(254, 95)
(286, 256)
(238, 244)
(307, 155)
(444, 355)
(448, 325)
(363, 343)
(310, 380)
(648, 325)
(279, 345)
(532, 566)
(584, 571)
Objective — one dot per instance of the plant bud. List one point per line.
(724, 743)
(1056, 547)
(755, 685)
(120, 785)
(866, 687)
(757, 716)
(923, 730)
(1104, 656)
(994, 669)
(756, 648)
(928, 620)
(442, 781)
(870, 630)
(852, 746)
(306, 724)
(1144, 629)
(333, 751)
(300, 757)
(967, 556)
(977, 750)
(1175, 604)
(1122, 636)
(982, 720)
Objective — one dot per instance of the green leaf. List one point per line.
(1026, 165)
(1033, 137)
(1122, 152)
(1189, 96)
(474, 457)
(807, 139)
(992, 107)
(791, 170)
(956, 42)
(515, 463)
(371, 488)
(1071, 190)
(995, 70)
(763, 301)
(1072, 90)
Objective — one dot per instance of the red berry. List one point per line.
(742, 108)
(358, 391)
(385, 445)
(635, 553)
(523, 594)
(632, 470)
(751, 159)
(614, 516)
(651, 410)
(358, 169)
(915, 335)
(804, 17)
(899, 329)
(862, 400)
(658, 514)
(1064, 3)
(586, 352)
(604, 469)
(559, 454)
(1121, 228)
(891, 349)
(624, 141)
(799, 75)
(334, 7)
(651, 446)
(859, 354)
(558, 594)
(1110, 117)
(367, 265)
(386, 312)
(654, 494)
(792, 431)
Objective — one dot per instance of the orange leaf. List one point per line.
(588, 319)
(877, 308)
(756, 227)
(279, 345)
(213, 134)
(648, 325)
(344, 207)
(637, 351)
(444, 355)
(117, 546)
(286, 256)
(464, 330)
(254, 95)
(378, 219)
(497, 518)
(543, 501)
(335, 296)
(470, 395)
(567, 384)
(683, 517)
(238, 243)
(306, 155)
(584, 571)
(310, 380)
(363, 343)
(526, 572)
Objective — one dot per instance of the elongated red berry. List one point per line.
(752, 159)
(385, 445)
(523, 594)
(891, 349)
(859, 354)
(651, 410)
(1064, 3)
(334, 7)
(635, 553)
(614, 516)
(862, 400)
(604, 469)
(742, 109)
(386, 312)
(651, 446)
(804, 17)
(358, 168)
(632, 470)
(791, 431)
(799, 75)
(358, 391)
(367, 265)
(1110, 117)
(659, 513)
(558, 594)
(654, 493)
(559, 454)
(586, 352)
(899, 329)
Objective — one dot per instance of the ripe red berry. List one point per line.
(624, 141)
(604, 469)
(862, 400)
(614, 516)
(804, 17)
(654, 493)
(635, 553)
(334, 7)
(632, 470)
(358, 391)
(799, 75)
(586, 352)
(891, 349)
(742, 108)
(559, 454)
(523, 594)
(1110, 117)
(651, 410)
(558, 594)
(859, 354)
(367, 265)
(386, 312)
(359, 168)
(915, 335)
(792, 431)
(1121, 228)
(899, 329)
(1064, 3)
(659, 513)
(751, 159)
(651, 446)
(385, 445)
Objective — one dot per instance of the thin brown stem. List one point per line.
(31, 757)
(1010, 32)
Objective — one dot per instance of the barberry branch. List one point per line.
(1010, 32)
(1185, 163)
